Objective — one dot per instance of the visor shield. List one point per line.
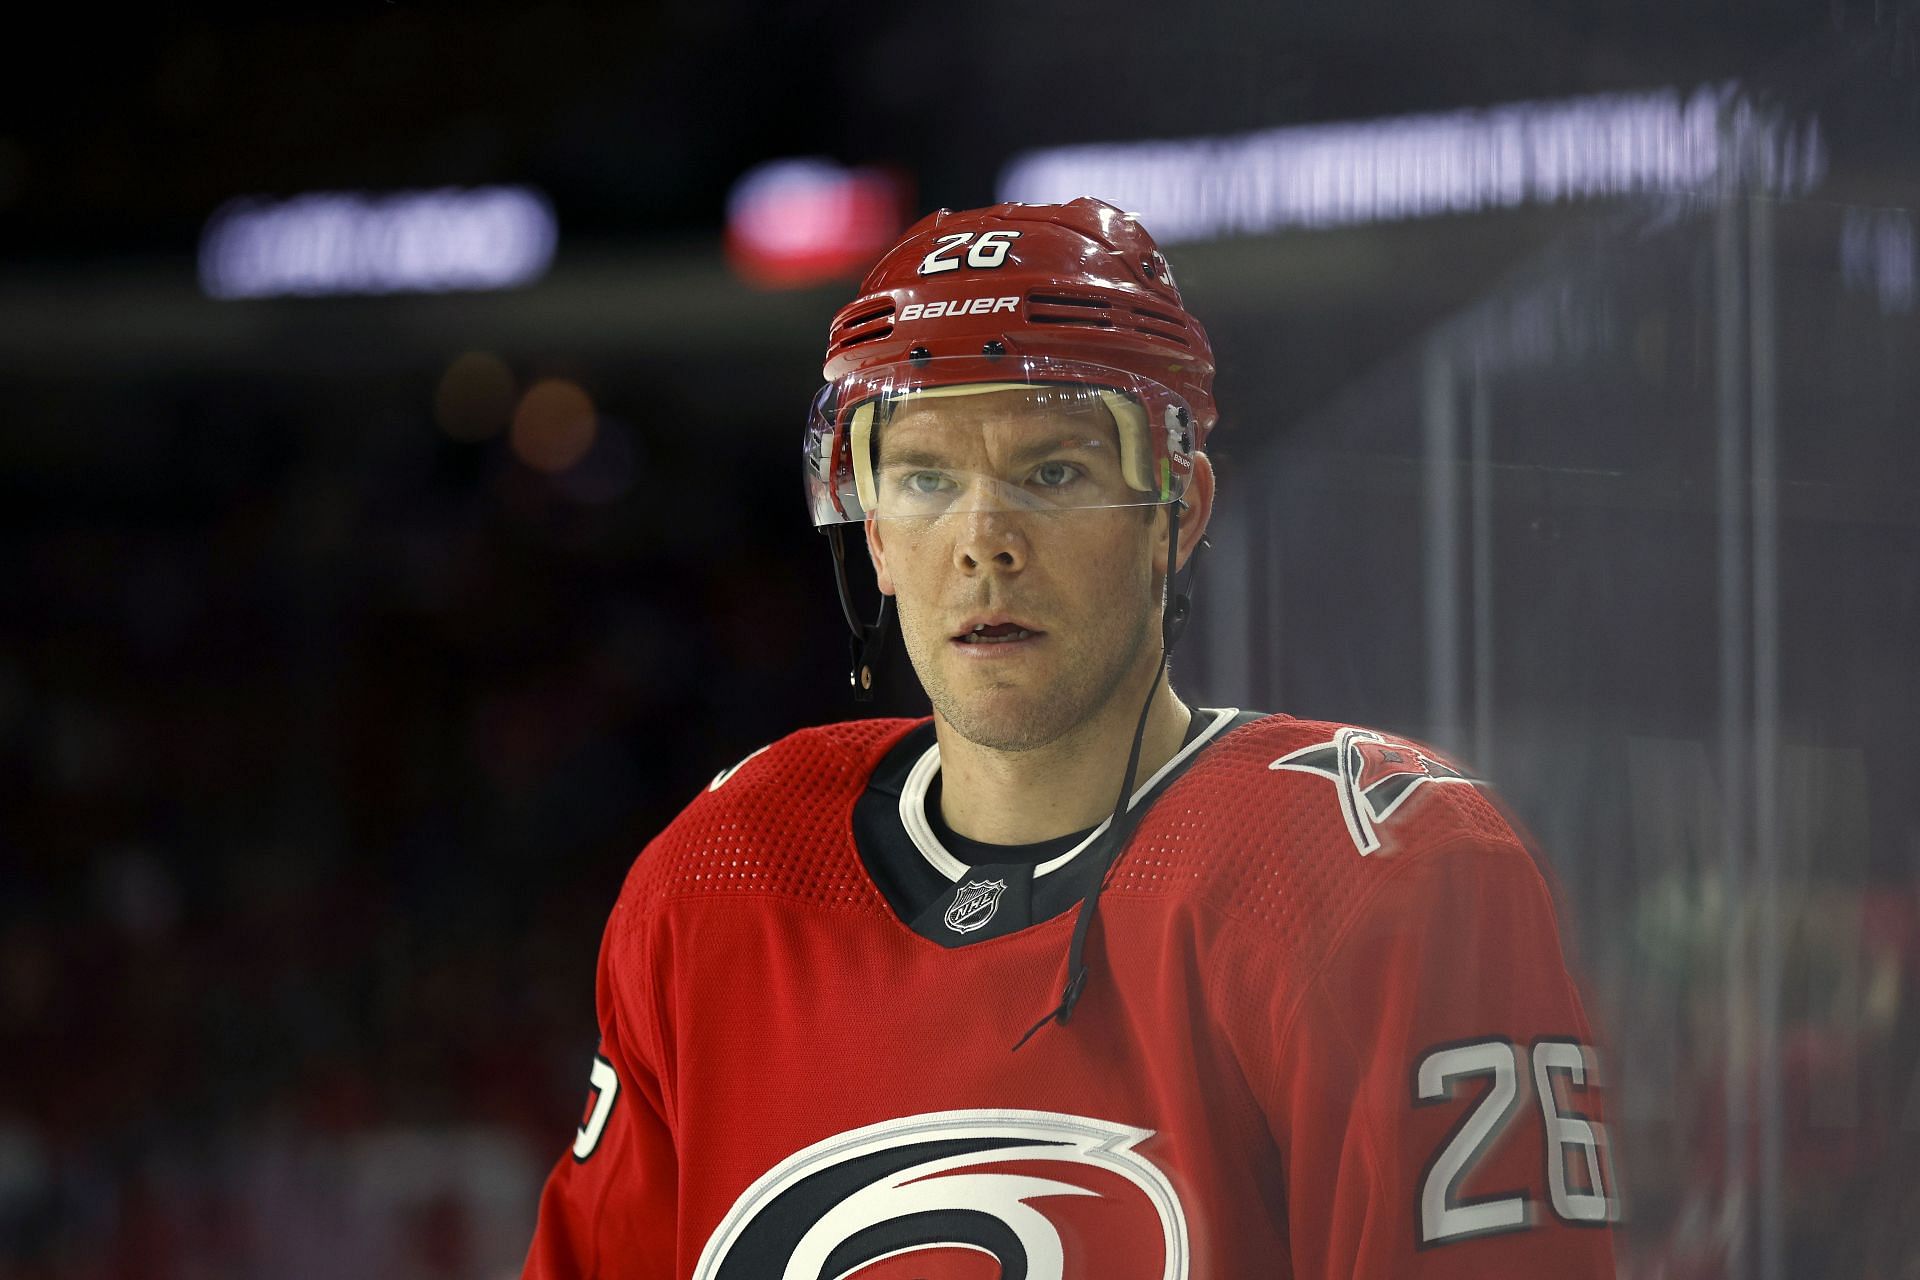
(950, 436)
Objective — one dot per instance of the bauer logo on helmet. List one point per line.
(957, 307)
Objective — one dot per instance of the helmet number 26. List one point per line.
(989, 250)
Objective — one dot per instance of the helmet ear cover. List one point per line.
(1129, 419)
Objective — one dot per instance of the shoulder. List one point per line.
(821, 759)
(776, 821)
(1391, 794)
(1294, 819)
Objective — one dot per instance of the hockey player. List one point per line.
(1070, 980)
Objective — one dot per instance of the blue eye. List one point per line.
(1055, 474)
(923, 482)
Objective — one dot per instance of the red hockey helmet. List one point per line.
(1073, 303)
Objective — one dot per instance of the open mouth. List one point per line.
(997, 633)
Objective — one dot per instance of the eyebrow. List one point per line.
(1031, 453)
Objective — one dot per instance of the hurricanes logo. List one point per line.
(1374, 775)
(958, 1195)
(974, 904)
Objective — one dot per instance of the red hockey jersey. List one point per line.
(1329, 1034)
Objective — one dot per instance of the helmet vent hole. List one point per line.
(1066, 300)
(871, 325)
(1097, 322)
(855, 339)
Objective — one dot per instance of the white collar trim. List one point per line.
(913, 804)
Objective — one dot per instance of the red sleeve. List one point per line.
(1435, 1091)
(608, 1210)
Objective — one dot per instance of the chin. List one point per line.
(1005, 719)
(1010, 738)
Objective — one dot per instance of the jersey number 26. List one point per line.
(1571, 1139)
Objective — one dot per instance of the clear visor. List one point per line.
(916, 442)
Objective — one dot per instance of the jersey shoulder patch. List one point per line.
(1371, 777)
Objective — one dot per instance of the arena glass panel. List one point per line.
(1636, 536)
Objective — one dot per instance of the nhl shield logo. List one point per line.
(974, 904)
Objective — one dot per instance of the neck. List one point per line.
(1068, 785)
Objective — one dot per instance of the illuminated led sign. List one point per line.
(1420, 166)
(404, 242)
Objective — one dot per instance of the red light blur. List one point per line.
(799, 222)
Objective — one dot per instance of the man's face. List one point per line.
(1069, 592)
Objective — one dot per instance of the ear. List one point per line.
(1193, 521)
(877, 552)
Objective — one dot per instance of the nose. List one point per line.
(989, 540)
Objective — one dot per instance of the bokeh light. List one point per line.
(554, 426)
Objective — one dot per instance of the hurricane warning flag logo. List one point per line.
(974, 904)
(1374, 774)
(958, 1195)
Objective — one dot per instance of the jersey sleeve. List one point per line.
(1434, 1088)
(608, 1210)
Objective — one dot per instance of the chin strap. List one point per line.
(869, 638)
(1120, 827)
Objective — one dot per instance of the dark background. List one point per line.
(326, 738)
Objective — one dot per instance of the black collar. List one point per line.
(955, 891)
